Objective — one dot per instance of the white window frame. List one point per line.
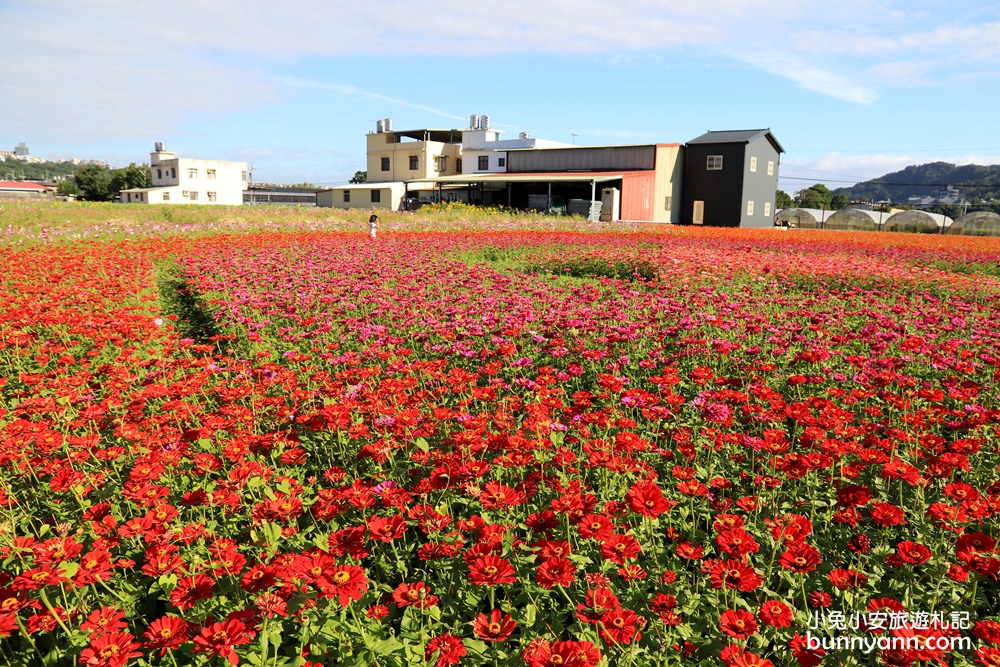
(193, 195)
(753, 164)
(212, 196)
(713, 163)
(770, 167)
(749, 207)
(192, 172)
(441, 162)
(209, 173)
(767, 208)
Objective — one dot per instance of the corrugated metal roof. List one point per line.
(736, 137)
(533, 177)
(22, 185)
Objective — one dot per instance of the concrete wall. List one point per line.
(390, 197)
(194, 181)
(668, 190)
(759, 187)
(383, 145)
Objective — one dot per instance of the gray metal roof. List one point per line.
(736, 137)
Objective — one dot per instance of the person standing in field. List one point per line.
(372, 226)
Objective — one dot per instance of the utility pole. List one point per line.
(574, 135)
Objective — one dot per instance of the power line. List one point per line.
(881, 182)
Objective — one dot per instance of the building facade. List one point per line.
(190, 181)
(730, 179)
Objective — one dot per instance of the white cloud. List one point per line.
(352, 91)
(92, 68)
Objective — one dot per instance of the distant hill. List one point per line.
(16, 170)
(974, 183)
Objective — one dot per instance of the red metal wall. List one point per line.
(637, 196)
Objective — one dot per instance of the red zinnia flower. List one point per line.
(345, 582)
(800, 558)
(556, 571)
(737, 623)
(845, 579)
(748, 659)
(729, 574)
(541, 653)
(620, 626)
(736, 543)
(490, 571)
(448, 647)
(220, 638)
(417, 594)
(103, 620)
(805, 656)
(112, 649)
(988, 657)
(166, 633)
(496, 627)
(776, 614)
(616, 548)
(912, 553)
(689, 551)
(646, 498)
(884, 514)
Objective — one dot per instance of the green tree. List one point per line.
(838, 202)
(132, 176)
(783, 200)
(67, 188)
(94, 182)
(359, 177)
(815, 196)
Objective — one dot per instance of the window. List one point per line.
(770, 168)
(211, 196)
(210, 173)
(194, 196)
(414, 162)
(173, 172)
(376, 196)
(753, 164)
(750, 207)
(347, 196)
(458, 165)
(714, 163)
(166, 196)
(159, 173)
(502, 162)
(192, 173)
(243, 175)
(441, 162)
(385, 164)
(767, 208)
(484, 162)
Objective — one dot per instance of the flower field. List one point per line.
(498, 442)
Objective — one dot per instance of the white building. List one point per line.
(483, 151)
(403, 165)
(190, 181)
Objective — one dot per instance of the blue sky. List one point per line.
(852, 89)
